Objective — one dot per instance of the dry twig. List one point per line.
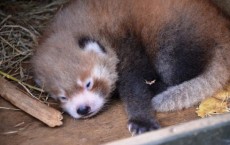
(46, 114)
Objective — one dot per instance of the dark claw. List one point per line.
(137, 127)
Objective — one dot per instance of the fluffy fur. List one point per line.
(183, 45)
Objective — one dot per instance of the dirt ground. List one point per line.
(107, 126)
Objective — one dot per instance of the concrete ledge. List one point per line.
(209, 131)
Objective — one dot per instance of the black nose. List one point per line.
(83, 110)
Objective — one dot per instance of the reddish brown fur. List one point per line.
(109, 20)
(128, 29)
(101, 86)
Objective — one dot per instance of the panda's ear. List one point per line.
(88, 44)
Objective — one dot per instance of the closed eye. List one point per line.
(63, 98)
(89, 84)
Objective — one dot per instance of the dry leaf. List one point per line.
(211, 106)
(223, 95)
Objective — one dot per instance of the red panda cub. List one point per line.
(92, 47)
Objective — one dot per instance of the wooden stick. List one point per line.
(48, 115)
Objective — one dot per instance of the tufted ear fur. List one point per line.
(88, 44)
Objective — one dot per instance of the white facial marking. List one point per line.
(80, 83)
(93, 46)
(100, 71)
(87, 98)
